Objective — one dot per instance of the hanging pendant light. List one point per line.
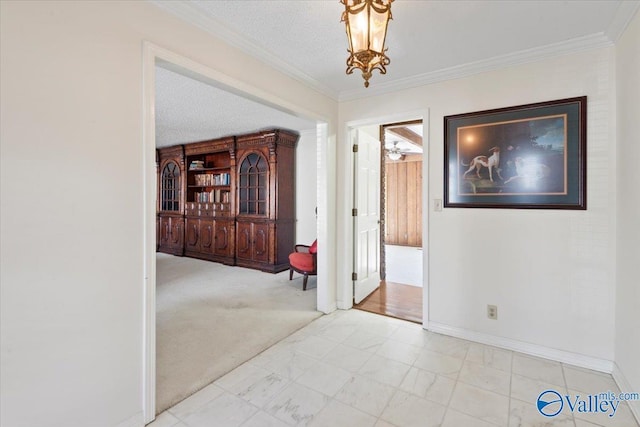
(366, 22)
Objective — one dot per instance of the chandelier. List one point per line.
(366, 22)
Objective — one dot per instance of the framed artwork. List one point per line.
(530, 156)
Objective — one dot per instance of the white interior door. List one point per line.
(367, 217)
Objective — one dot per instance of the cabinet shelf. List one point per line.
(222, 168)
(230, 199)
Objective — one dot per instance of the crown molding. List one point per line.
(580, 44)
(623, 16)
(192, 14)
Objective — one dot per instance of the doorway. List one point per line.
(399, 293)
(155, 56)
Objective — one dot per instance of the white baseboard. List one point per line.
(330, 308)
(625, 386)
(576, 359)
(136, 420)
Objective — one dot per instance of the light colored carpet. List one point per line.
(211, 318)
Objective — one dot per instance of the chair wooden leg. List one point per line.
(304, 282)
(290, 273)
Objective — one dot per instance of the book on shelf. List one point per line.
(213, 196)
(206, 180)
(196, 164)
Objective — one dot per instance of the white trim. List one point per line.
(580, 44)
(325, 193)
(154, 55)
(134, 421)
(575, 359)
(345, 226)
(149, 235)
(624, 15)
(344, 264)
(426, 233)
(625, 386)
(190, 13)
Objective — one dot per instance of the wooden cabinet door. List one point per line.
(165, 231)
(261, 242)
(171, 187)
(253, 185)
(192, 233)
(206, 236)
(243, 245)
(222, 238)
(171, 235)
(177, 232)
(252, 241)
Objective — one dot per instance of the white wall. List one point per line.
(627, 350)
(551, 273)
(306, 188)
(72, 201)
(71, 207)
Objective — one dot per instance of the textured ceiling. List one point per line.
(428, 41)
(188, 110)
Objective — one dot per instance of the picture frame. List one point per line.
(524, 157)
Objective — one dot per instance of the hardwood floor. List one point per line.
(395, 300)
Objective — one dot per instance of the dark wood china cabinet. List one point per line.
(266, 199)
(210, 206)
(170, 224)
(230, 200)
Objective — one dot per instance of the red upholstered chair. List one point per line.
(303, 260)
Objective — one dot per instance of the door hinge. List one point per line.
(354, 276)
(355, 148)
(354, 212)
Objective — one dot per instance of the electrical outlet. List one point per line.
(492, 312)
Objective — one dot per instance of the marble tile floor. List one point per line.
(355, 369)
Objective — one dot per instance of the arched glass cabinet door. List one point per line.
(170, 187)
(252, 185)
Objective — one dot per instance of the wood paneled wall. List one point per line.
(403, 202)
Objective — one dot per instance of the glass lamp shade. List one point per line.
(394, 155)
(366, 23)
